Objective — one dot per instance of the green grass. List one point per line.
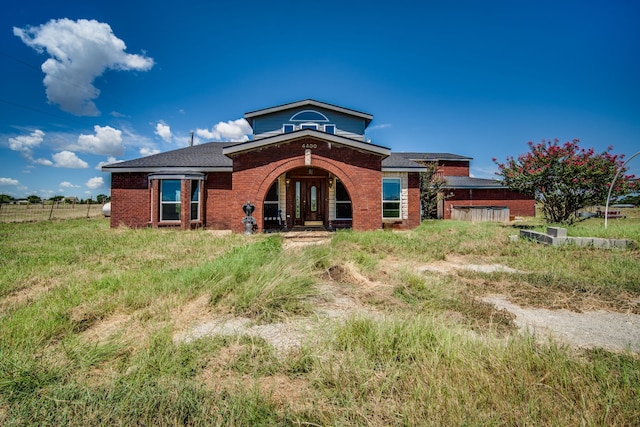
(88, 316)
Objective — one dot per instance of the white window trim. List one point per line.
(178, 202)
(293, 127)
(197, 202)
(308, 126)
(293, 118)
(334, 129)
(399, 201)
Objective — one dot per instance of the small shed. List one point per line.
(480, 213)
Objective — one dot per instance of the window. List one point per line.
(309, 115)
(314, 198)
(297, 199)
(330, 128)
(170, 200)
(309, 126)
(195, 200)
(271, 205)
(288, 128)
(391, 198)
(343, 202)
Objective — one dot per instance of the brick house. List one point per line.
(307, 165)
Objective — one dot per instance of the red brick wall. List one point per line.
(218, 201)
(518, 204)
(414, 201)
(451, 168)
(359, 172)
(130, 200)
(254, 172)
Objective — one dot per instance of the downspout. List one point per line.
(606, 209)
(150, 184)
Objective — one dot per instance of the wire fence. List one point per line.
(48, 211)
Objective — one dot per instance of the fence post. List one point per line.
(88, 207)
(51, 212)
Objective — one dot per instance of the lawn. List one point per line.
(102, 326)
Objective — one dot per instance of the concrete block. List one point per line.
(582, 241)
(514, 238)
(557, 231)
(559, 241)
(601, 243)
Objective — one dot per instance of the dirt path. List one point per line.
(588, 329)
(594, 329)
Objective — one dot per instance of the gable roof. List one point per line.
(306, 133)
(198, 158)
(304, 103)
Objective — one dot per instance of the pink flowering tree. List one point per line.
(564, 178)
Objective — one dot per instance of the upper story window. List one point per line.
(308, 119)
(309, 116)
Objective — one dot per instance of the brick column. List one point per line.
(155, 202)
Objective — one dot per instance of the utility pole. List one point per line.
(191, 140)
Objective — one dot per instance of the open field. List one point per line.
(48, 211)
(103, 326)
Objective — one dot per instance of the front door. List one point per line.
(309, 206)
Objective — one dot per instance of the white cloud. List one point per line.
(9, 181)
(68, 159)
(146, 151)
(380, 126)
(109, 161)
(67, 184)
(44, 162)
(79, 52)
(233, 130)
(163, 131)
(26, 143)
(107, 141)
(95, 182)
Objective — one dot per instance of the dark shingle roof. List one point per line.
(210, 156)
(432, 156)
(397, 161)
(203, 156)
(469, 182)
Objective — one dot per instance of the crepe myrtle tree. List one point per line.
(564, 178)
(432, 190)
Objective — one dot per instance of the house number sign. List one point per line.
(308, 146)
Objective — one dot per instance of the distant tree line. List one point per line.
(34, 199)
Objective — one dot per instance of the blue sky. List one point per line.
(84, 83)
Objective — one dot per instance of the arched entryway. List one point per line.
(306, 198)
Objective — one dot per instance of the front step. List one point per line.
(305, 237)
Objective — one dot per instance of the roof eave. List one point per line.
(404, 169)
(167, 169)
(251, 114)
(306, 133)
